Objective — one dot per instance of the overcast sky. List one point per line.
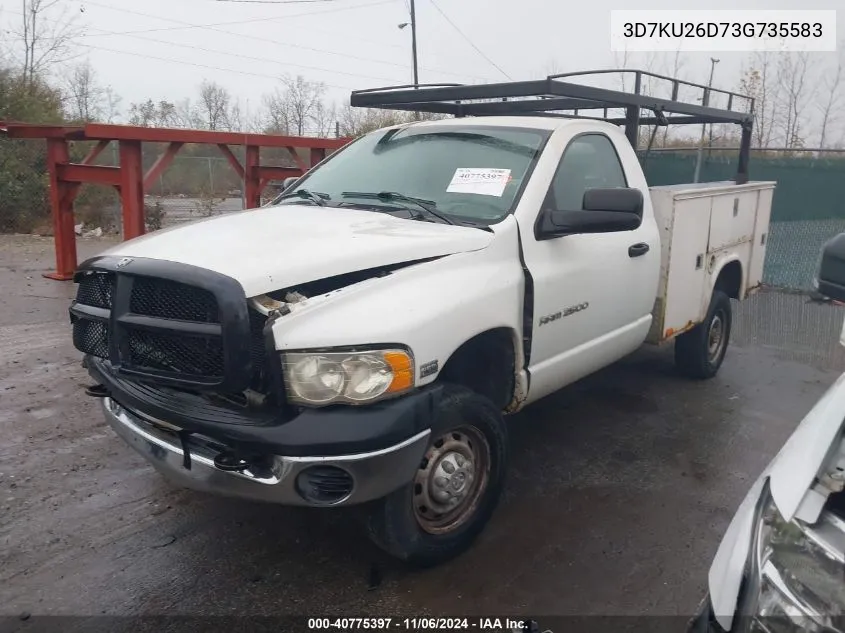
(350, 44)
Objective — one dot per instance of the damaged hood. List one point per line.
(272, 248)
(791, 474)
(794, 469)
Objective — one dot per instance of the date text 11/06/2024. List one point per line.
(505, 625)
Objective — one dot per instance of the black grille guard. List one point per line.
(233, 329)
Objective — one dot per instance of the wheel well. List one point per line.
(730, 279)
(485, 364)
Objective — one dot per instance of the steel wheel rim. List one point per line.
(716, 336)
(451, 480)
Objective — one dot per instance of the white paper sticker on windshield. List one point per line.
(485, 182)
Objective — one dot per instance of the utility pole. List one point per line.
(705, 102)
(414, 42)
(413, 25)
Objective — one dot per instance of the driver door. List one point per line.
(593, 293)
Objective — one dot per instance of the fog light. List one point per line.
(324, 485)
(231, 463)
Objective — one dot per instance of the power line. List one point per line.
(278, 43)
(197, 65)
(239, 55)
(250, 21)
(469, 41)
(275, 1)
(260, 59)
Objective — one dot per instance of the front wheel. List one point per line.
(457, 486)
(699, 353)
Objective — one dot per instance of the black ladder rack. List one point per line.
(555, 97)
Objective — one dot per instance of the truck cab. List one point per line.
(359, 340)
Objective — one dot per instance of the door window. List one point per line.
(589, 162)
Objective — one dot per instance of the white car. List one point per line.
(781, 564)
(359, 340)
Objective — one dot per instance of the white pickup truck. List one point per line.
(359, 339)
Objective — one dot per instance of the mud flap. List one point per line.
(186, 450)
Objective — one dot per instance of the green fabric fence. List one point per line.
(807, 210)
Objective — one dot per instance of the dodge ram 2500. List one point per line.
(359, 339)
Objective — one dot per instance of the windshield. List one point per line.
(471, 172)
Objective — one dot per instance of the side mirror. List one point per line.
(604, 211)
(831, 276)
(288, 182)
(619, 200)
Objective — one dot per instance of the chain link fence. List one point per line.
(24, 186)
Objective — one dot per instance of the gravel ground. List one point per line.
(621, 487)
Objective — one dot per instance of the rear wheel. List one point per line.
(699, 353)
(456, 487)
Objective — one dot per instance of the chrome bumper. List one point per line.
(373, 475)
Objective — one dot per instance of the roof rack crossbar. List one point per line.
(676, 83)
(534, 105)
(539, 96)
(551, 97)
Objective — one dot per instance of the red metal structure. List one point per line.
(129, 177)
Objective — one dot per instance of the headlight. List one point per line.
(321, 378)
(794, 582)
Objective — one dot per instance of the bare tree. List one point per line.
(186, 115)
(85, 97)
(675, 69)
(797, 93)
(760, 82)
(215, 104)
(621, 60)
(47, 32)
(357, 121)
(551, 67)
(303, 102)
(276, 118)
(152, 114)
(111, 104)
(830, 107)
(297, 107)
(324, 120)
(235, 118)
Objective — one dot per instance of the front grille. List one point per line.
(96, 290)
(91, 337)
(172, 300)
(182, 353)
(257, 350)
(169, 323)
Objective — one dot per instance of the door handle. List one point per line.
(635, 250)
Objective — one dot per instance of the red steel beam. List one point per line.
(162, 163)
(61, 210)
(233, 160)
(269, 172)
(91, 156)
(297, 158)
(35, 130)
(252, 177)
(73, 188)
(95, 131)
(132, 189)
(317, 154)
(97, 174)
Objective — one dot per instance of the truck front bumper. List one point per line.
(199, 462)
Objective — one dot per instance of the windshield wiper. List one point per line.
(317, 197)
(395, 196)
